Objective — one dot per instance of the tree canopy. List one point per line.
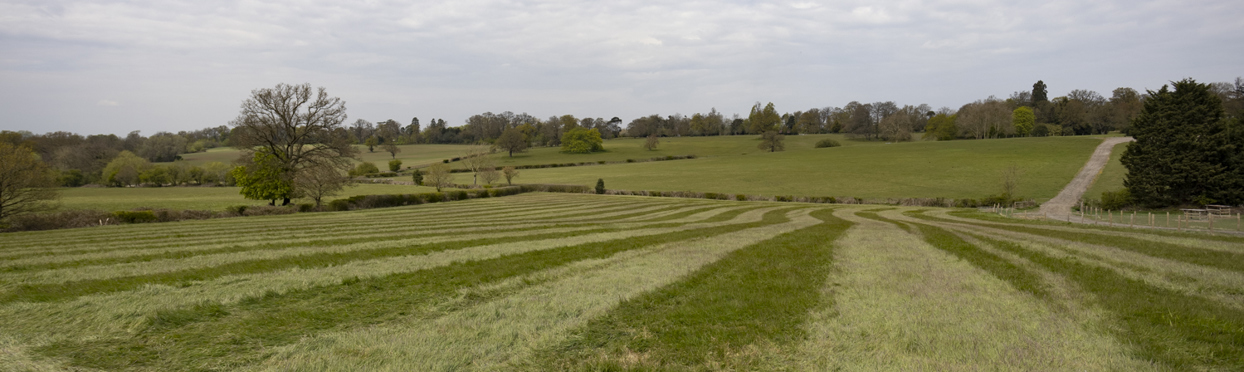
(299, 128)
(25, 182)
(582, 141)
(1184, 151)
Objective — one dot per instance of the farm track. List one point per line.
(584, 282)
(1059, 207)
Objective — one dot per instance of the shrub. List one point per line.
(59, 220)
(418, 177)
(446, 161)
(364, 168)
(236, 209)
(434, 197)
(395, 165)
(630, 160)
(740, 197)
(600, 185)
(460, 195)
(135, 216)
(828, 142)
(339, 205)
(306, 207)
(1116, 200)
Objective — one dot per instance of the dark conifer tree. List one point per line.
(1183, 152)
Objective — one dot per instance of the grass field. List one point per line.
(952, 169)
(540, 282)
(1111, 177)
(196, 198)
(411, 155)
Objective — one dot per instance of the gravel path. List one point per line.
(1060, 206)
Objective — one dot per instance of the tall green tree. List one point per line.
(264, 178)
(764, 119)
(1183, 151)
(1039, 92)
(1023, 119)
(512, 140)
(582, 141)
(772, 141)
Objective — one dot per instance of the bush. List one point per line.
(236, 209)
(600, 185)
(395, 165)
(630, 160)
(828, 142)
(306, 207)
(59, 220)
(135, 216)
(339, 205)
(1116, 200)
(460, 195)
(740, 197)
(364, 168)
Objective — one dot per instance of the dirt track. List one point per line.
(1060, 206)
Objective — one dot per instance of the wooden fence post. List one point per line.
(1131, 222)
(1211, 221)
(1168, 218)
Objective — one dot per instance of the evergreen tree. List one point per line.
(600, 185)
(1039, 93)
(1183, 152)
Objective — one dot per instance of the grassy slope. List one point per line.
(198, 198)
(410, 155)
(954, 169)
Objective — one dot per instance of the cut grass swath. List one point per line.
(755, 296)
(191, 338)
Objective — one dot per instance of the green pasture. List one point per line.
(1111, 177)
(553, 282)
(192, 198)
(411, 155)
(950, 169)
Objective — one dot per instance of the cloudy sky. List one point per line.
(117, 66)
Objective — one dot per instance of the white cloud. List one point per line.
(391, 59)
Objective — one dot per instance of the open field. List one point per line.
(411, 155)
(1111, 177)
(196, 198)
(583, 282)
(951, 169)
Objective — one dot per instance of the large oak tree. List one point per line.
(296, 125)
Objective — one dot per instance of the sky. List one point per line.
(117, 66)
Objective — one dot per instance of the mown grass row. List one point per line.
(216, 336)
(346, 222)
(1177, 330)
(61, 291)
(444, 231)
(752, 298)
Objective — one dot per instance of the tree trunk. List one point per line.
(285, 203)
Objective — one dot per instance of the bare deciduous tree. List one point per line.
(509, 172)
(438, 176)
(301, 128)
(652, 142)
(319, 182)
(489, 175)
(1010, 181)
(475, 160)
(25, 182)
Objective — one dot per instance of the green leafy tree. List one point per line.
(941, 127)
(264, 178)
(512, 140)
(772, 141)
(25, 182)
(371, 143)
(417, 176)
(363, 169)
(1023, 119)
(600, 185)
(764, 119)
(395, 165)
(155, 176)
(124, 169)
(582, 141)
(1183, 153)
